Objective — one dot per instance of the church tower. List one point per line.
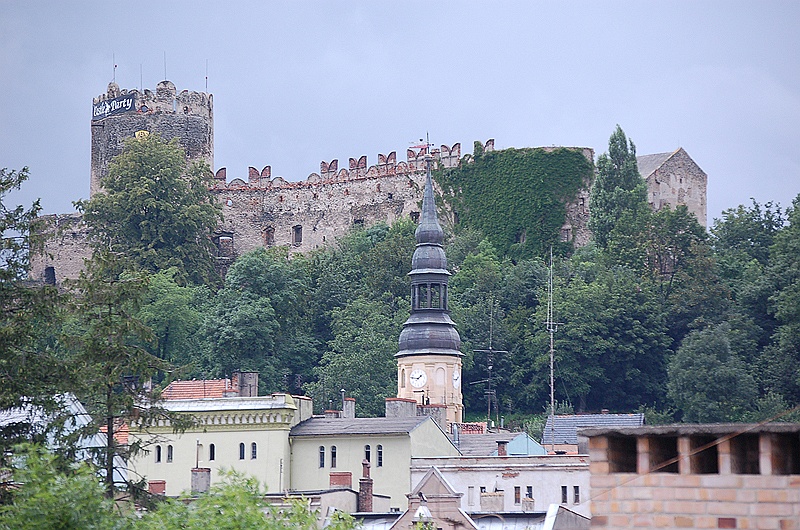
(429, 360)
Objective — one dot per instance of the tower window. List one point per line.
(50, 275)
(436, 293)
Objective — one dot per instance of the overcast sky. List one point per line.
(297, 82)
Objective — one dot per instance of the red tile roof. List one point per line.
(204, 388)
(121, 431)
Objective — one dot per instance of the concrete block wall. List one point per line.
(649, 497)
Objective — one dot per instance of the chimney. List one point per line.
(201, 479)
(365, 489)
(502, 447)
(604, 411)
(247, 383)
(349, 408)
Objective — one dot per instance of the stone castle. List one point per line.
(305, 215)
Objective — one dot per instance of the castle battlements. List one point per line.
(165, 100)
(329, 172)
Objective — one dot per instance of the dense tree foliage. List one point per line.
(155, 210)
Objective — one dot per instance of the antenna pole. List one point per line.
(114, 60)
(165, 65)
(552, 327)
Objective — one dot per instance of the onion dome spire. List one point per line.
(429, 329)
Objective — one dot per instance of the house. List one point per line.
(696, 476)
(674, 179)
(560, 434)
(248, 434)
(328, 452)
(491, 444)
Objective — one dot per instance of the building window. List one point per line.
(169, 454)
(403, 378)
(517, 494)
(241, 451)
(297, 235)
(333, 456)
(158, 454)
(483, 489)
(50, 275)
(321, 456)
(367, 453)
(253, 451)
(577, 495)
(212, 452)
(563, 495)
(415, 216)
(471, 495)
(379, 463)
(529, 492)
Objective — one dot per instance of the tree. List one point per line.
(48, 497)
(619, 194)
(707, 381)
(156, 211)
(111, 366)
(30, 374)
(360, 358)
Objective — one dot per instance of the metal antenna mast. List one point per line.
(491, 395)
(552, 327)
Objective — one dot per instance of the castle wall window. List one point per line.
(367, 451)
(169, 454)
(379, 456)
(321, 456)
(297, 235)
(333, 456)
(241, 451)
(269, 236)
(158, 454)
(212, 452)
(50, 275)
(253, 451)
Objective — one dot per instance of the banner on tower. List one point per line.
(111, 107)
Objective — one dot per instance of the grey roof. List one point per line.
(350, 426)
(482, 444)
(566, 427)
(649, 163)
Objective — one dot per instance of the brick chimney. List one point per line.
(502, 447)
(365, 486)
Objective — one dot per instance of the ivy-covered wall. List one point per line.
(517, 197)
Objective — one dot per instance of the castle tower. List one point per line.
(429, 360)
(120, 114)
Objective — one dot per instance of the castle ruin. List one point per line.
(264, 211)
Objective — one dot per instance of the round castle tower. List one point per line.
(429, 359)
(120, 114)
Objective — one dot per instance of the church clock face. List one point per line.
(457, 379)
(418, 378)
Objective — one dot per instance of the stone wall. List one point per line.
(719, 476)
(674, 179)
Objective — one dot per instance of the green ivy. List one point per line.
(514, 192)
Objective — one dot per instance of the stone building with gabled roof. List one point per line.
(674, 179)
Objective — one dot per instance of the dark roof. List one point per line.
(649, 163)
(566, 427)
(684, 429)
(482, 444)
(350, 426)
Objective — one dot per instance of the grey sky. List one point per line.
(295, 83)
